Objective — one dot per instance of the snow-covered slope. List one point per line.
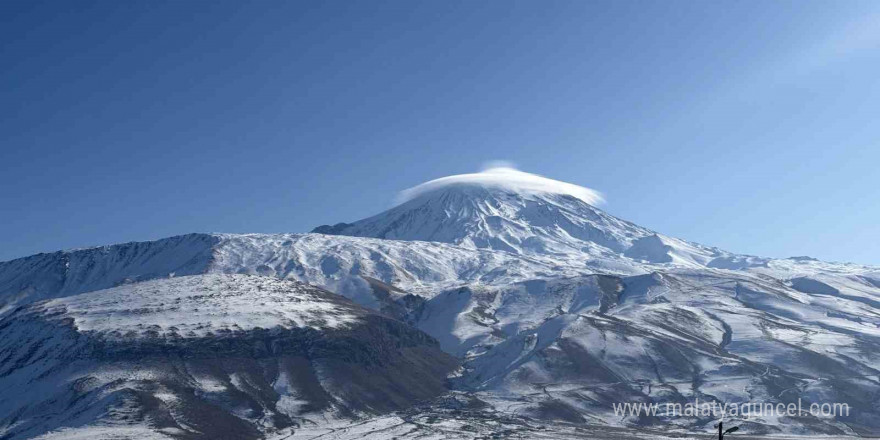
(568, 349)
(336, 263)
(62, 273)
(206, 356)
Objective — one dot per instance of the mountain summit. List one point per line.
(500, 208)
(511, 210)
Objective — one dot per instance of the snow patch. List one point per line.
(197, 306)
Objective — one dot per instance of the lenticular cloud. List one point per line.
(505, 177)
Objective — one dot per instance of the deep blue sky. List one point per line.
(751, 125)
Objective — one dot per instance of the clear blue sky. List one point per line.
(750, 125)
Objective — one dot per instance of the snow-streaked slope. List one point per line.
(340, 263)
(567, 349)
(206, 356)
(62, 273)
(333, 262)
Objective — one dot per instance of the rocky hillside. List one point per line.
(208, 356)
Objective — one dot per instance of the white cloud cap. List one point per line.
(504, 175)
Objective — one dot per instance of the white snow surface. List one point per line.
(196, 306)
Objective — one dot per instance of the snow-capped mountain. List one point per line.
(554, 308)
(500, 209)
(510, 210)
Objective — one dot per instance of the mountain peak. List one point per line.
(505, 178)
(504, 209)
